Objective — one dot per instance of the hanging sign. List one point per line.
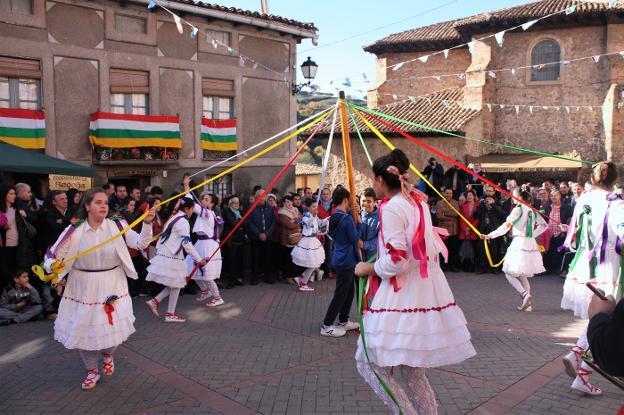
(62, 182)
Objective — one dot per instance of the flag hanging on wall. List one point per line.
(218, 135)
(128, 130)
(22, 128)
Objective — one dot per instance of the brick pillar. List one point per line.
(373, 101)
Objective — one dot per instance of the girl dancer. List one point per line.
(95, 314)
(309, 252)
(167, 267)
(598, 226)
(413, 321)
(208, 228)
(523, 258)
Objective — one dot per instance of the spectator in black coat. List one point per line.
(56, 216)
(73, 201)
(117, 201)
(434, 172)
(260, 226)
(606, 334)
(490, 215)
(237, 250)
(455, 179)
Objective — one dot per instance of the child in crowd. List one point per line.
(370, 224)
(167, 267)
(20, 302)
(309, 252)
(345, 255)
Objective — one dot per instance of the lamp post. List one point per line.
(308, 68)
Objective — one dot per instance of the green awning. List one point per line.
(17, 160)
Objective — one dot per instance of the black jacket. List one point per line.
(489, 219)
(461, 179)
(229, 220)
(606, 340)
(54, 223)
(565, 212)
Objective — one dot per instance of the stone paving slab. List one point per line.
(261, 353)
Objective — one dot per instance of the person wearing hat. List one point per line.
(434, 172)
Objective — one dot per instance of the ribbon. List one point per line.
(109, 307)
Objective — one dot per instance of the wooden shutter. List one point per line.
(123, 81)
(217, 87)
(20, 68)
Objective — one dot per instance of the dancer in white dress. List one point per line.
(598, 229)
(523, 259)
(309, 252)
(413, 321)
(95, 314)
(167, 267)
(208, 228)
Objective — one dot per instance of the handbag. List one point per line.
(294, 238)
(31, 231)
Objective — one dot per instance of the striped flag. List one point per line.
(22, 128)
(128, 130)
(218, 135)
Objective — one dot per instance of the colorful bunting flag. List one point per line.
(230, 51)
(424, 58)
(489, 106)
(517, 107)
(596, 58)
(499, 38)
(398, 66)
(178, 24)
(214, 42)
(446, 52)
(491, 74)
(152, 4)
(528, 24)
(570, 9)
(470, 46)
(194, 32)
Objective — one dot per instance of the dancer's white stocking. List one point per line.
(515, 282)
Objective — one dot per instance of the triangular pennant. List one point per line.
(230, 51)
(613, 3)
(517, 107)
(394, 97)
(499, 38)
(424, 58)
(557, 108)
(531, 109)
(502, 106)
(445, 103)
(570, 9)
(194, 32)
(398, 66)
(178, 24)
(528, 24)
(470, 46)
(215, 44)
(578, 109)
(491, 74)
(596, 58)
(461, 75)
(566, 63)
(513, 71)
(622, 54)
(567, 109)
(241, 60)
(255, 66)
(545, 107)
(445, 51)
(591, 109)
(347, 82)
(152, 4)
(489, 106)
(365, 77)
(438, 78)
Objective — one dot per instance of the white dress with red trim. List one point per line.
(523, 257)
(309, 252)
(84, 321)
(596, 231)
(207, 228)
(413, 318)
(167, 267)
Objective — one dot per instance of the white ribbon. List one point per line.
(330, 140)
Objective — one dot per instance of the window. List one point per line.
(129, 92)
(130, 24)
(17, 6)
(20, 83)
(218, 104)
(222, 37)
(221, 187)
(545, 52)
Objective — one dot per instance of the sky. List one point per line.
(338, 20)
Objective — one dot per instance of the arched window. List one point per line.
(545, 52)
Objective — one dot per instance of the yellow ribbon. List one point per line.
(59, 263)
(423, 178)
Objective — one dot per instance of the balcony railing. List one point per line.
(135, 154)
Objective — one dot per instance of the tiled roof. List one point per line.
(306, 169)
(432, 113)
(454, 32)
(242, 12)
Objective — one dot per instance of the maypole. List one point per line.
(346, 145)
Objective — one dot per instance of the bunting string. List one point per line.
(216, 43)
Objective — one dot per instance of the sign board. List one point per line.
(132, 172)
(61, 182)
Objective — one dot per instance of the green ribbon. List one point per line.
(528, 231)
(361, 288)
(357, 130)
(436, 130)
(582, 237)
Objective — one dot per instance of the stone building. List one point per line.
(459, 104)
(82, 59)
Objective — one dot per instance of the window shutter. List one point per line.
(20, 68)
(123, 81)
(217, 87)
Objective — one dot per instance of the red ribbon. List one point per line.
(108, 308)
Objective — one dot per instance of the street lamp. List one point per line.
(308, 68)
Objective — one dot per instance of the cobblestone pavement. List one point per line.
(261, 353)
